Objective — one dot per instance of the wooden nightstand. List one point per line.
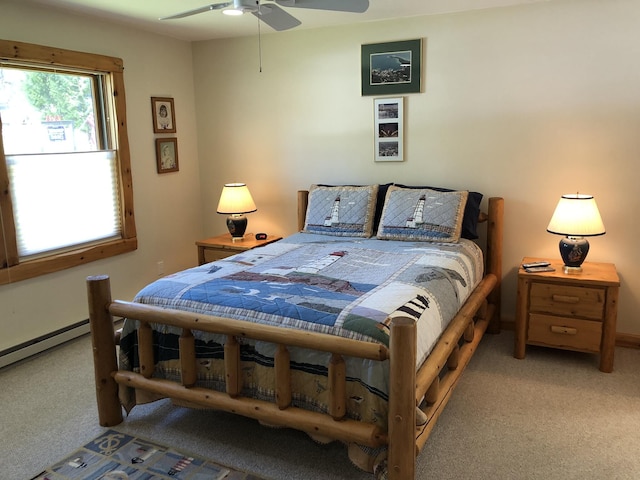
(572, 312)
(217, 248)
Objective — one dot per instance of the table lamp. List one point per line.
(576, 216)
(235, 201)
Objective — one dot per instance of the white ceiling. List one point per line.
(145, 14)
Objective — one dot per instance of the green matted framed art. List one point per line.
(392, 68)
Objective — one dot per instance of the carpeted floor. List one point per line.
(551, 416)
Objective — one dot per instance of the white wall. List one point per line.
(527, 103)
(167, 207)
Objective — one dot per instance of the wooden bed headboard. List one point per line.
(303, 202)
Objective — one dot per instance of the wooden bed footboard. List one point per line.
(429, 388)
(333, 425)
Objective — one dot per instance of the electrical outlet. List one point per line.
(160, 266)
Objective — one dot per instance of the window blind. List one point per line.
(63, 200)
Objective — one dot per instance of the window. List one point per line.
(66, 196)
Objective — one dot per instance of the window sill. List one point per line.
(63, 261)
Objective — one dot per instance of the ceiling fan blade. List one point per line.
(188, 13)
(354, 6)
(276, 17)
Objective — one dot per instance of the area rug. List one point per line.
(117, 456)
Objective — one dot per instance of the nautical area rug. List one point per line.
(117, 456)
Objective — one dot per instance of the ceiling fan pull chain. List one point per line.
(259, 46)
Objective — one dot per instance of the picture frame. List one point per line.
(167, 155)
(163, 114)
(389, 129)
(391, 68)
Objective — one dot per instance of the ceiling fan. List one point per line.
(272, 14)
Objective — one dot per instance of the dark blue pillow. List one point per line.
(471, 210)
(382, 195)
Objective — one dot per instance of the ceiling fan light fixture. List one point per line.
(233, 11)
(242, 6)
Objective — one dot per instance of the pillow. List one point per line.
(381, 195)
(471, 211)
(341, 210)
(422, 215)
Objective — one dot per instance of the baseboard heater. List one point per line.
(42, 343)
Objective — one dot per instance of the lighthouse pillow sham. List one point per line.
(422, 215)
(346, 211)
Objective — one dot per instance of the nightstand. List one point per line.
(568, 311)
(222, 246)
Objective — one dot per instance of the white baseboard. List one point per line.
(45, 342)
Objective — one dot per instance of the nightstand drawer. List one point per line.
(211, 255)
(567, 300)
(562, 332)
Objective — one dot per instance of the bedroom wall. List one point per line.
(167, 207)
(526, 102)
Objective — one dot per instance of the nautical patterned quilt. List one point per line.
(350, 287)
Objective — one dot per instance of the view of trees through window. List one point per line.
(46, 112)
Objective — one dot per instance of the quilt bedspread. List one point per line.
(349, 287)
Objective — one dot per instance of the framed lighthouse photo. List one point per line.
(389, 129)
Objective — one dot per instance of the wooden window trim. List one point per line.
(11, 270)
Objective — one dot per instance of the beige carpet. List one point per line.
(550, 416)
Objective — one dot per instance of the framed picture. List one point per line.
(389, 129)
(391, 68)
(164, 118)
(167, 154)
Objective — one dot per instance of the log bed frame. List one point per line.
(434, 381)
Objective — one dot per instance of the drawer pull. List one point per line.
(564, 330)
(565, 298)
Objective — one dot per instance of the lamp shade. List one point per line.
(576, 215)
(236, 199)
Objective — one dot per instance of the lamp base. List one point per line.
(572, 270)
(573, 251)
(237, 225)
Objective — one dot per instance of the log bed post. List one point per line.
(283, 377)
(232, 372)
(494, 257)
(188, 368)
(104, 350)
(337, 387)
(402, 404)
(145, 349)
(303, 201)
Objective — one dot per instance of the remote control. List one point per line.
(535, 264)
(539, 269)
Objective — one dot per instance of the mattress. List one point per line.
(344, 286)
